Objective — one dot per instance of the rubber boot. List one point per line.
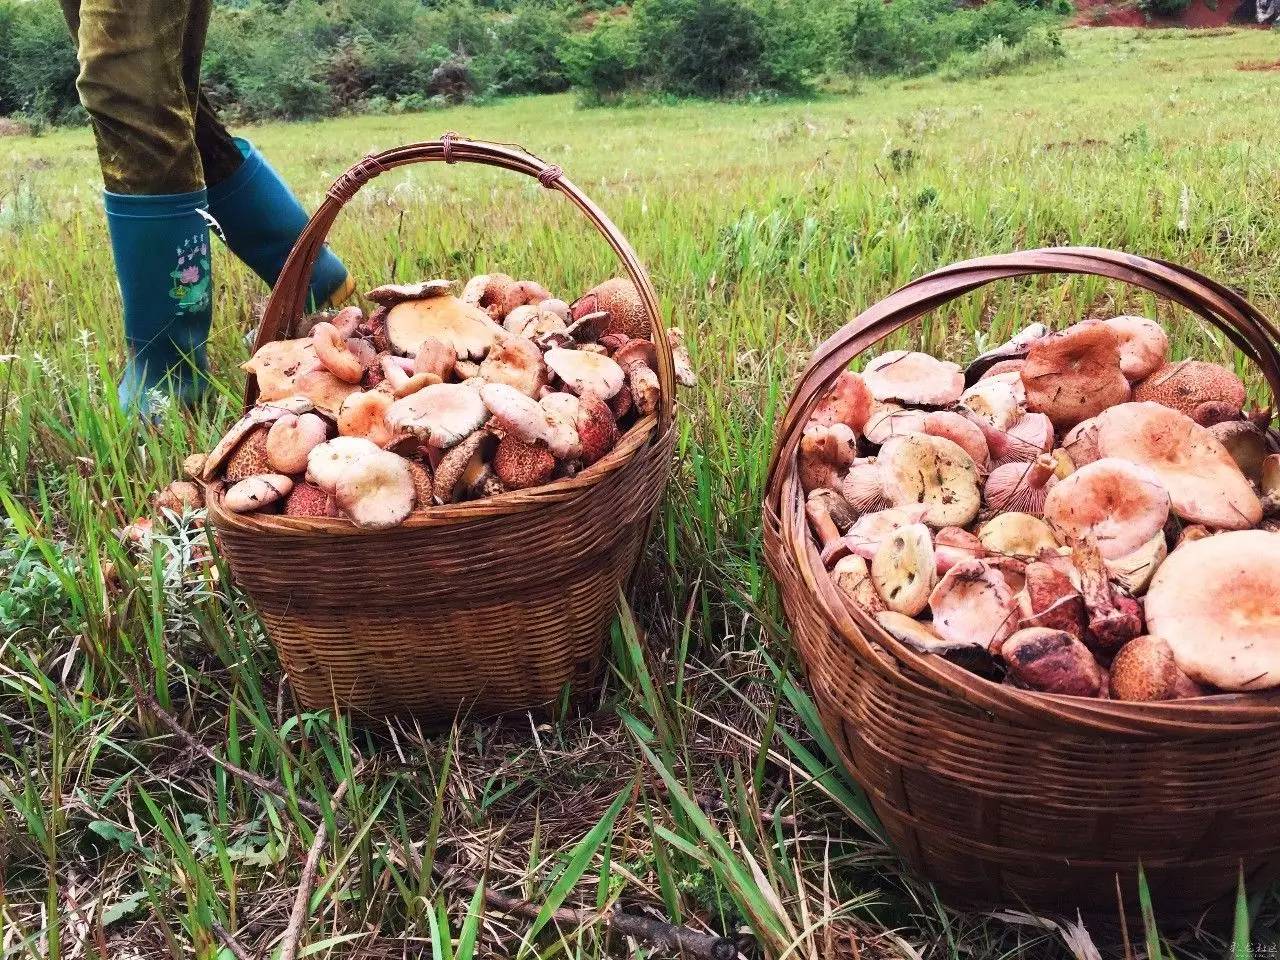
(260, 220)
(161, 249)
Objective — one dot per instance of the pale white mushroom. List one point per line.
(254, 493)
(467, 329)
(935, 472)
(517, 362)
(291, 438)
(974, 603)
(441, 414)
(912, 377)
(584, 372)
(551, 421)
(903, 569)
(371, 486)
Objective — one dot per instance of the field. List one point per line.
(698, 788)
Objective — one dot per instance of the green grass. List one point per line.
(700, 786)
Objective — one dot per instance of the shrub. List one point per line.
(526, 56)
(37, 61)
(997, 57)
(604, 61)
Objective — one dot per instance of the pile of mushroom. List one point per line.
(433, 399)
(1073, 513)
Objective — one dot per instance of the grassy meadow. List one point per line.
(698, 788)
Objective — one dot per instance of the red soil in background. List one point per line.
(1125, 13)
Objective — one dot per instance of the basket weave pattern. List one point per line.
(1006, 797)
(480, 607)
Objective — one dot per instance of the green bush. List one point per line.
(526, 57)
(604, 61)
(37, 61)
(997, 57)
(1165, 8)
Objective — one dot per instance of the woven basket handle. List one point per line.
(288, 299)
(1248, 329)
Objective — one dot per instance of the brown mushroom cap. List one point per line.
(1187, 384)
(1204, 484)
(468, 330)
(1051, 600)
(250, 457)
(388, 295)
(620, 300)
(291, 438)
(423, 484)
(550, 421)
(1052, 661)
(825, 454)
(1144, 671)
(639, 361)
(521, 465)
(1143, 345)
(974, 603)
(597, 428)
(848, 402)
(1074, 375)
(277, 366)
(1119, 504)
(308, 500)
(1215, 603)
(932, 471)
(255, 493)
(180, 496)
(460, 468)
(338, 357)
(914, 378)
(1247, 444)
(488, 291)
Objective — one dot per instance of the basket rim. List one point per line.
(804, 580)
(642, 434)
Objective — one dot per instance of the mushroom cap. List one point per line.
(467, 329)
(1052, 661)
(193, 466)
(436, 357)
(308, 500)
(1247, 444)
(291, 438)
(1204, 484)
(325, 391)
(1144, 671)
(1187, 384)
(1017, 535)
(250, 457)
(259, 415)
(521, 465)
(1029, 436)
(179, 496)
(1074, 375)
(933, 471)
(974, 603)
(1012, 351)
(338, 357)
(257, 492)
(377, 491)
(423, 484)
(460, 467)
(584, 372)
(914, 378)
(871, 529)
(364, 414)
(961, 431)
(903, 569)
(619, 298)
(1081, 442)
(442, 414)
(328, 460)
(1215, 602)
(1134, 570)
(635, 350)
(1052, 600)
(562, 412)
(952, 545)
(388, 295)
(277, 366)
(825, 454)
(848, 402)
(517, 362)
(596, 426)
(916, 635)
(488, 290)
(995, 403)
(551, 421)
(1143, 345)
(852, 577)
(1119, 504)
(888, 420)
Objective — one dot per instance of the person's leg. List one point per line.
(133, 86)
(259, 217)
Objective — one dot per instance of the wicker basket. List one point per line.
(1001, 796)
(480, 607)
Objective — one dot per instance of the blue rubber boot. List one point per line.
(161, 249)
(261, 219)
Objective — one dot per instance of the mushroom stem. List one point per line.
(1113, 620)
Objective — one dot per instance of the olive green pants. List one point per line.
(140, 82)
